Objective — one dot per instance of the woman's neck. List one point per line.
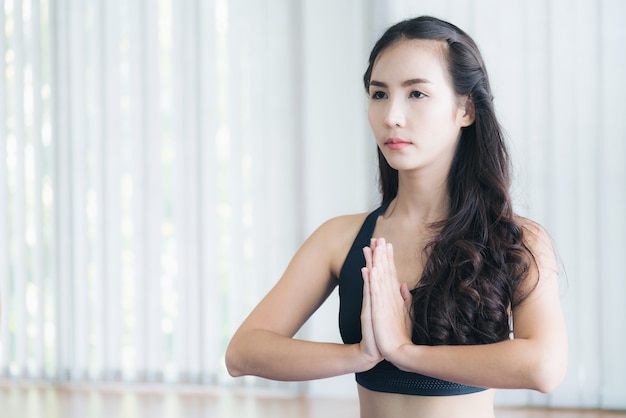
(419, 200)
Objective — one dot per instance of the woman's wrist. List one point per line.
(366, 361)
(404, 356)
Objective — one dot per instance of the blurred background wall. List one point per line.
(160, 162)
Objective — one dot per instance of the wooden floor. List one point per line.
(47, 402)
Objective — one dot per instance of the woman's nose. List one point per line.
(395, 116)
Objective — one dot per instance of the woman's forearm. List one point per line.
(513, 364)
(269, 355)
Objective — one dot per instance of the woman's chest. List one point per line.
(410, 252)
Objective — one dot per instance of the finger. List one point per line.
(367, 253)
(381, 260)
(371, 286)
(365, 274)
(373, 279)
(379, 255)
(406, 294)
(366, 291)
(390, 262)
(368, 342)
(408, 300)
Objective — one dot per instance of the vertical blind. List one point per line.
(147, 183)
(557, 70)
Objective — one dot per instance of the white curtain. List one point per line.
(557, 70)
(160, 162)
(148, 182)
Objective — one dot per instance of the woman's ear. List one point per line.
(467, 112)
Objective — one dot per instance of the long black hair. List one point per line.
(478, 258)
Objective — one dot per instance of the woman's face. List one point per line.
(414, 113)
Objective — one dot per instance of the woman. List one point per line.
(426, 307)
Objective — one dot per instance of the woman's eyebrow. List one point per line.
(404, 83)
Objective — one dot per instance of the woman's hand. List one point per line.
(368, 343)
(389, 301)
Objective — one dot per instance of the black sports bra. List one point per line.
(384, 377)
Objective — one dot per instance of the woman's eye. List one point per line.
(377, 95)
(416, 94)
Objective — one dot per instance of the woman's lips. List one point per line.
(396, 144)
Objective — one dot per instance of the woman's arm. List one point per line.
(535, 359)
(263, 344)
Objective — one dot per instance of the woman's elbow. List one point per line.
(550, 373)
(547, 383)
(232, 362)
(232, 369)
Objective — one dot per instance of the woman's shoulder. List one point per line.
(340, 230)
(539, 243)
(337, 235)
(345, 222)
(535, 236)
